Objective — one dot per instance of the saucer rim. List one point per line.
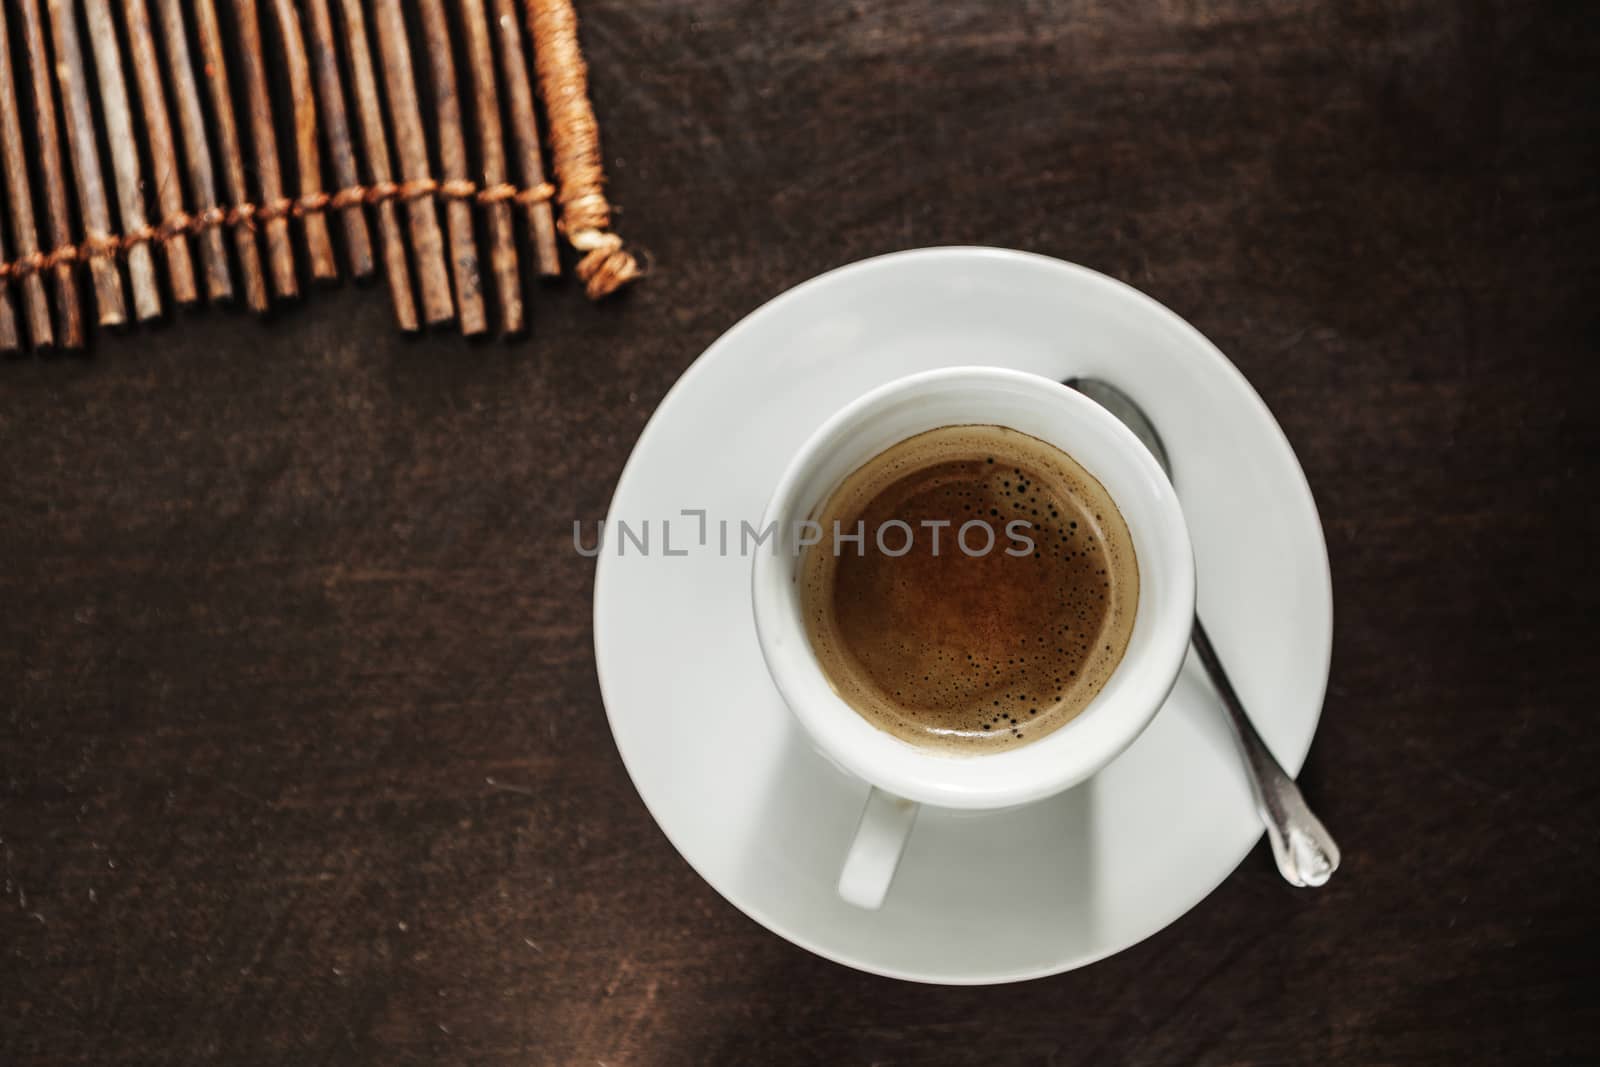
(1115, 289)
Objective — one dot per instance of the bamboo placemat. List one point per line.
(150, 134)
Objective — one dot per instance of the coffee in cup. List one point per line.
(971, 589)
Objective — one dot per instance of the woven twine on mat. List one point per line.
(248, 215)
(575, 149)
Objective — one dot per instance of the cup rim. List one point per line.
(1071, 753)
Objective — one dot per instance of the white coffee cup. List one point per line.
(903, 775)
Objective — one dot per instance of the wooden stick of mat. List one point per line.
(98, 244)
(196, 150)
(275, 207)
(124, 159)
(575, 148)
(308, 158)
(492, 154)
(10, 340)
(407, 120)
(163, 156)
(63, 269)
(216, 71)
(525, 135)
(19, 194)
(453, 157)
(342, 156)
(406, 117)
(368, 109)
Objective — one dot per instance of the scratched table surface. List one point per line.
(302, 758)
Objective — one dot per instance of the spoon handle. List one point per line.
(1305, 851)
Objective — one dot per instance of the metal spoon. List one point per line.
(1304, 849)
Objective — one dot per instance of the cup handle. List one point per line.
(880, 838)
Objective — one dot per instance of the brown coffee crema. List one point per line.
(945, 644)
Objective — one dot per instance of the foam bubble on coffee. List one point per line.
(951, 646)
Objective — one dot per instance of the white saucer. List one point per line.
(763, 818)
